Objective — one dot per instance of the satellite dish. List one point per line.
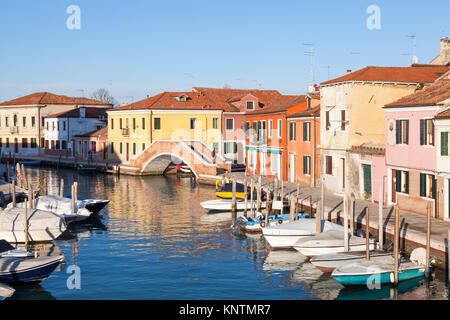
(415, 60)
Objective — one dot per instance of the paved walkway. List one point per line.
(412, 225)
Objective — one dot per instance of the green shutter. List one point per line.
(444, 143)
(423, 185)
(398, 182)
(304, 165)
(407, 182)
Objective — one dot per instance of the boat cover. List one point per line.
(303, 227)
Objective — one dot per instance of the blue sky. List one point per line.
(139, 47)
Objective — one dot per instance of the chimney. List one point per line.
(82, 112)
(349, 71)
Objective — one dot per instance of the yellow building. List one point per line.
(167, 116)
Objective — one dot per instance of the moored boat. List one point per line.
(331, 241)
(371, 273)
(36, 163)
(257, 223)
(284, 236)
(225, 205)
(20, 270)
(330, 261)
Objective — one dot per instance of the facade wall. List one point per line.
(443, 166)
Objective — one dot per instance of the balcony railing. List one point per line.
(126, 132)
(14, 129)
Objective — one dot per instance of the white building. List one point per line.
(61, 128)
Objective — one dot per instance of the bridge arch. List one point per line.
(159, 163)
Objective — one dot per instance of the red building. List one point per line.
(267, 135)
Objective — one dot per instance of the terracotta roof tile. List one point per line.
(312, 112)
(283, 103)
(50, 98)
(75, 113)
(415, 74)
(95, 133)
(437, 92)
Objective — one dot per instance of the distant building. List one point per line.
(353, 123)
(22, 120)
(92, 146)
(61, 128)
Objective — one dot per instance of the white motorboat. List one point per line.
(331, 241)
(7, 250)
(6, 291)
(283, 236)
(62, 207)
(225, 205)
(330, 261)
(42, 225)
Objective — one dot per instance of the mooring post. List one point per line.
(61, 188)
(24, 177)
(33, 198)
(318, 218)
(396, 244)
(245, 195)
(367, 234)
(292, 209)
(282, 196)
(14, 193)
(346, 245)
(26, 224)
(258, 195)
(296, 202)
(252, 200)
(380, 218)
(73, 199)
(267, 210)
(429, 212)
(352, 215)
(233, 203)
(75, 184)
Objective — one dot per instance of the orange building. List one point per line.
(267, 135)
(303, 142)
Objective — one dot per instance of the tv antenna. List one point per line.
(311, 54)
(82, 92)
(328, 69)
(414, 57)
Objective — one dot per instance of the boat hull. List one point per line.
(224, 205)
(382, 278)
(337, 260)
(312, 252)
(33, 273)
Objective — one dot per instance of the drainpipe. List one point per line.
(287, 148)
(151, 127)
(314, 154)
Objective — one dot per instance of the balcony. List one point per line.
(14, 129)
(125, 132)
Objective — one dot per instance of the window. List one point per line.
(307, 131)
(1, 143)
(33, 122)
(143, 146)
(275, 160)
(111, 147)
(33, 143)
(120, 148)
(427, 186)
(15, 120)
(426, 132)
(52, 144)
(292, 129)
(57, 123)
(143, 123)
(112, 124)
(327, 120)
(402, 181)
(53, 125)
(24, 121)
(24, 143)
(64, 144)
(328, 165)
(7, 142)
(216, 146)
(255, 128)
(192, 125)
(280, 129)
(230, 147)
(230, 124)
(444, 143)
(6, 121)
(250, 105)
(157, 123)
(134, 123)
(42, 122)
(120, 123)
(64, 125)
(247, 129)
(46, 144)
(126, 123)
(79, 149)
(343, 120)
(42, 142)
(134, 147)
(402, 131)
(57, 145)
(215, 123)
(270, 128)
(306, 165)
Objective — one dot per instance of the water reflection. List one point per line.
(155, 241)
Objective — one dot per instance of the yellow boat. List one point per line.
(224, 189)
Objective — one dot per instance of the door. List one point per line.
(16, 145)
(394, 186)
(293, 162)
(367, 176)
(127, 148)
(85, 150)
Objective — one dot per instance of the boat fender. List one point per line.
(263, 224)
(280, 221)
(391, 277)
(261, 218)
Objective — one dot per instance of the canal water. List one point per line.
(155, 241)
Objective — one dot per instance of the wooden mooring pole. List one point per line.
(26, 224)
(318, 218)
(380, 218)
(61, 188)
(14, 193)
(73, 199)
(252, 201)
(75, 184)
(346, 244)
(258, 195)
(245, 195)
(429, 213)
(367, 234)
(233, 203)
(396, 244)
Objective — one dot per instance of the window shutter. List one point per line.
(422, 131)
(304, 131)
(398, 131)
(407, 131)
(342, 120)
(432, 132)
(444, 143)
(327, 120)
(235, 147)
(423, 185)
(225, 148)
(407, 182)
(398, 181)
(433, 186)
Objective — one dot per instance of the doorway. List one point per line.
(127, 148)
